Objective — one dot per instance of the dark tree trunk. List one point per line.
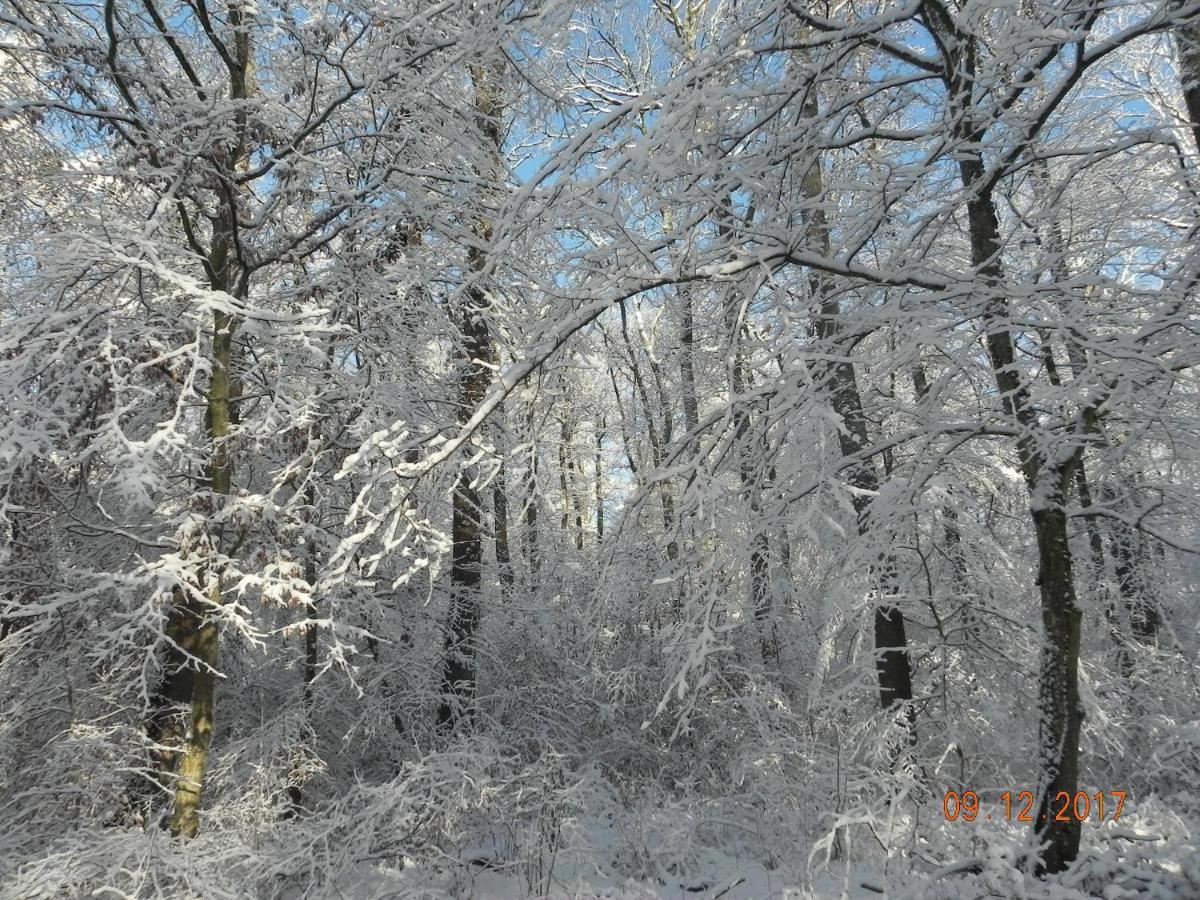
(573, 477)
(951, 534)
(599, 485)
(1187, 35)
(294, 791)
(564, 486)
(166, 722)
(1131, 566)
(458, 677)
(466, 535)
(1077, 363)
(741, 380)
(893, 667)
(687, 373)
(532, 551)
(892, 664)
(1061, 714)
(500, 514)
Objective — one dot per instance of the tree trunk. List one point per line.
(227, 275)
(500, 514)
(1131, 567)
(576, 503)
(532, 551)
(1061, 714)
(599, 484)
(563, 485)
(200, 632)
(657, 441)
(186, 818)
(166, 723)
(458, 675)
(951, 535)
(687, 337)
(1077, 363)
(740, 382)
(1058, 697)
(893, 667)
(1187, 36)
(687, 373)
(310, 649)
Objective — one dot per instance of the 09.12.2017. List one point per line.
(1066, 807)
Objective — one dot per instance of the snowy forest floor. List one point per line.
(550, 831)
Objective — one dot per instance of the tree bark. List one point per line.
(500, 514)
(687, 372)
(166, 723)
(1046, 478)
(1187, 36)
(458, 674)
(564, 486)
(599, 484)
(951, 535)
(576, 502)
(1061, 713)
(1131, 566)
(893, 667)
(200, 632)
(227, 275)
(658, 440)
(1077, 363)
(740, 382)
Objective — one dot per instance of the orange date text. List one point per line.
(1019, 806)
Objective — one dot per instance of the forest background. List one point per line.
(655, 448)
